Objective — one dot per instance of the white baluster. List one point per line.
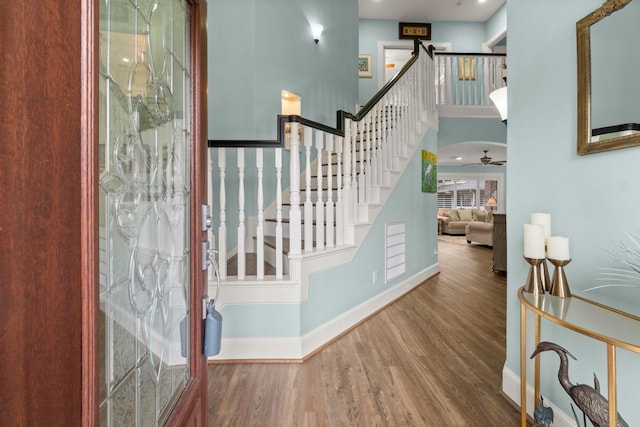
(295, 216)
(375, 157)
(308, 203)
(279, 251)
(361, 179)
(348, 191)
(379, 144)
(329, 228)
(260, 229)
(339, 146)
(354, 172)
(222, 227)
(368, 172)
(241, 225)
(319, 202)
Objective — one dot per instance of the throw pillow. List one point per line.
(489, 217)
(479, 215)
(465, 215)
(454, 215)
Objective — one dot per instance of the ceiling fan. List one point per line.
(486, 160)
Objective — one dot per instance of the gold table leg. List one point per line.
(523, 368)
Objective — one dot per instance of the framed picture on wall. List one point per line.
(364, 65)
(429, 172)
(466, 68)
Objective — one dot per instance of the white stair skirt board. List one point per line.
(511, 388)
(296, 348)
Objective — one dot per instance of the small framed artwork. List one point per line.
(429, 172)
(414, 30)
(466, 68)
(364, 65)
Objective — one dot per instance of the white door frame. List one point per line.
(402, 44)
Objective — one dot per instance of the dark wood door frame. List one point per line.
(48, 214)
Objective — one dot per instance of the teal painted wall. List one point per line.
(256, 48)
(464, 37)
(457, 130)
(259, 47)
(497, 23)
(591, 198)
(335, 291)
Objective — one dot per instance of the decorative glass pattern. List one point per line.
(144, 209)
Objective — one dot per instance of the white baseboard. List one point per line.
(511, 388)
(296, 348)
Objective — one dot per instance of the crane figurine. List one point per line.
(588, 399)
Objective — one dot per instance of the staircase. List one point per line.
(325, 186)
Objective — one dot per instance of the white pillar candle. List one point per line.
(543, 219)
(558, 248)
(534, 241)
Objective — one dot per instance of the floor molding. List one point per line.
(288, 349)
(511, 389)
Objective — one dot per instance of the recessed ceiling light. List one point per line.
(458, 158)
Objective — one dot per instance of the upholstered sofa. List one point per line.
(480, 232)
(455, 221)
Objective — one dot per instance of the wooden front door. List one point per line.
(102, 168)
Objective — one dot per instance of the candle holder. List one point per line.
(534, 281)
(559, 284)
(544, 276)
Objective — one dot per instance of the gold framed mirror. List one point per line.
(608, 85)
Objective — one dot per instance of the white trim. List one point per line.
(488, 46)
(299, 347)
(404, 44)
(511, 388)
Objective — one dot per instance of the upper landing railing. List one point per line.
(465, 80)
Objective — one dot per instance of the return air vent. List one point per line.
(394, 250)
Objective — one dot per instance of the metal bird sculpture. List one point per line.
(543, 414)
(593, 404)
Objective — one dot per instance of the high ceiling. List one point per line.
(429, 10)
(442, 10)
(469, 153)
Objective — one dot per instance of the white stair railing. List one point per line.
(467, 79)
(354, 167)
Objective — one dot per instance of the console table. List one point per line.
(611, 327)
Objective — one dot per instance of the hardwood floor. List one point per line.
(432, 358)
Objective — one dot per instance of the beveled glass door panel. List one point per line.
(145, 141)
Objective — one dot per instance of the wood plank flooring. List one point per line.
(432, 358)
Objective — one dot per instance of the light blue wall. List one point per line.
(335, 291)
(497, 23)
(591, 198)
(256, 48)
(259, 47)
(457, 130)
(464, 37)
